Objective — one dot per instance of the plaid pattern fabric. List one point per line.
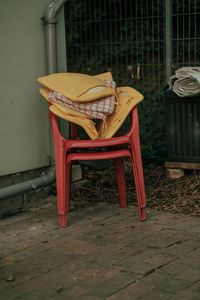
(97, 109)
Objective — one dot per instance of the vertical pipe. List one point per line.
(153, 44)
(195, 34)
(189, 37)
(177, 33)
(51, 51)
(121, 39)
(183, 37)
(50, 22)
(168, 39)
(51, 58)
(143, 45)
(137, 38)
(110, 35)
(116, 41)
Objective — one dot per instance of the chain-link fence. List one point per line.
(141, 42)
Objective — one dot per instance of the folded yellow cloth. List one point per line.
(77, 87)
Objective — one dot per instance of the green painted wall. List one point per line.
(24, 121)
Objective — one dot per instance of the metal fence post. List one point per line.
(168, 39)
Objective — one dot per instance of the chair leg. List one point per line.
(139, 178)
(121, 184)
(68, 173)
(62, 221)
(61, 187)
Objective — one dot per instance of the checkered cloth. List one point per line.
(97, 109)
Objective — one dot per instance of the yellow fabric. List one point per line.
(77, 87)
(127, 99)
(104, 76)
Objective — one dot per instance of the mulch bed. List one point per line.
(174, 195)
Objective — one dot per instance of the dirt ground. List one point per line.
(174, 195)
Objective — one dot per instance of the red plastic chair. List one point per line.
(65, 154)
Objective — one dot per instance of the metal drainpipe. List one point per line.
(50, 22)
(50, 177)
(27, 186)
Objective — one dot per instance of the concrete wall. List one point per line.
(24, 121)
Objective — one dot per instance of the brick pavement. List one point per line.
(104, 253)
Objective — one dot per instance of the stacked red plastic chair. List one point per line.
(67, 151)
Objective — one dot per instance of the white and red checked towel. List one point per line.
(97, 109)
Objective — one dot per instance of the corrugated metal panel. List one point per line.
(183, 128)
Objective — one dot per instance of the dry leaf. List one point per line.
(59, 289)
(10, 278)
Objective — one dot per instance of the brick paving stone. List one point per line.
(164, 239)
(173, 285)
(109, 271)
(112, 285)
(185, 223)
(186, 295)
(160, 259)
(71, 293)
(127, 250)
(84, 297)
(182, 271)
(16, 218)
(69, 296)
(193, 258)
(164, 284)
(155, 294)
(145, 261)
(155, 278)
(182, 247)
(175, 268)
(92, 272)
(191, 293)
(133, 291)
(195, 230)
(167, 219)
(190, 275)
